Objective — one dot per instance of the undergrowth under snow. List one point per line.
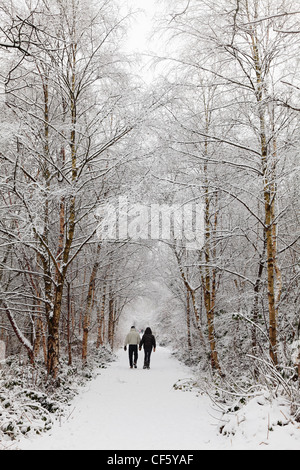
(30, 402)
(31, 406)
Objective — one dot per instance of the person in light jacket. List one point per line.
(133, 339)
(148, 341)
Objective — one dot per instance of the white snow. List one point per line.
(136, 409)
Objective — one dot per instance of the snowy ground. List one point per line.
(136, 409)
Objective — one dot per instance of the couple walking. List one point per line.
(134, 341)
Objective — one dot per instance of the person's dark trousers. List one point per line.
(133, 354)
(147, 357)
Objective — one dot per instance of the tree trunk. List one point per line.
(209, 281)
(110, 328)
(69, 325)
(53, 332)
(193, 297)
(256, 298)
(87, 315)
(101, 319)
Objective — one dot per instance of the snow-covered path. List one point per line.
(134, 409)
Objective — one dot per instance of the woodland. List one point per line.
(218, 125)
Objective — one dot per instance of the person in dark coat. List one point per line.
(148, 341)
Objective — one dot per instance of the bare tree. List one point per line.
(67, 86)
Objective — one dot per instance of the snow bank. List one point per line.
(264, 422)
(30, 405)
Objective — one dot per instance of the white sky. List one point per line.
(139, 35)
